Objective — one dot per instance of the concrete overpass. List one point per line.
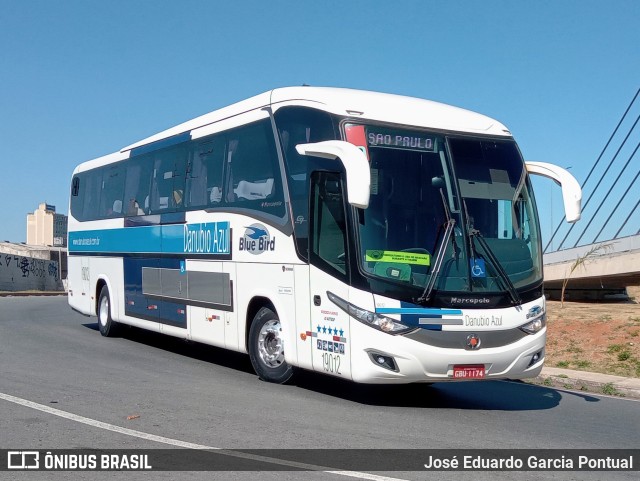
(607, 271)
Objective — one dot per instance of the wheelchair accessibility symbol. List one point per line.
(478, 268)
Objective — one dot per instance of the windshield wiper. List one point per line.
(474, 233)
(503, 276)
(442, 248)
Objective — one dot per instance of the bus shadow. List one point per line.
(195, 350)
(471, 395)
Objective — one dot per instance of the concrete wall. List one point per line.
(616, 265)
(22, 273)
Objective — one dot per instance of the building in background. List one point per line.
(46, 228)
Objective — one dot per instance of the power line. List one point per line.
(596, 163)
(616, 208)
(627, 220)
(602, 177)
(607, 194)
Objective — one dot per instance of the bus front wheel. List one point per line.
(108, 327)
(266, 348)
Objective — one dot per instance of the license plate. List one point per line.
(468, 372)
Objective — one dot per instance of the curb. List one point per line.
(589, 382)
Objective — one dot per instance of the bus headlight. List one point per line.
(369, 318)
(535, 325)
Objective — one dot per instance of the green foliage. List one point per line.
(610, 390)
(614, 348)
(624, 355)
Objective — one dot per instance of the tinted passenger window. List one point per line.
(112, 191)
(204, 179)
(301, 125)
(167, 185)
(137, 185)
(252, 170)
(329, 231)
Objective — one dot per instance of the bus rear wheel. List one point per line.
(108, 327)
(266, 348)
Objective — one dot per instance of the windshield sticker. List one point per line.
(478, 268)
(399, 257)
(355, 135)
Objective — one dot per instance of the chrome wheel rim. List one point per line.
(104, 311)
(270, 348)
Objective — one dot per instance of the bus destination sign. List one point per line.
(397, 139)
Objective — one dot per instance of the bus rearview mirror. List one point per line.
(571, 191)
(355, 163)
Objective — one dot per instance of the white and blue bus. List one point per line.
(373, 237)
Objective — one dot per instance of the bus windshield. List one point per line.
(457, 209)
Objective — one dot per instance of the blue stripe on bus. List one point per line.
(416, 316)
(207, 238)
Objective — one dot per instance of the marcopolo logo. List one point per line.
(257, 240)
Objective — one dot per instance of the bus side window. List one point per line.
(204, 179)
(328, 248)
(77, 195)
(136, 190)
(167, 187)
(112, 191)
(91, 198)
(253, 173)
(301, 125)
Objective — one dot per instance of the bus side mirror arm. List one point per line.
(571, 191)
(355, 163)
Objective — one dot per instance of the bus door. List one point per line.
(329, 330)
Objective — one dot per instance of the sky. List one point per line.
(83, 78)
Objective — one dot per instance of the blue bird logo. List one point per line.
(257, 233)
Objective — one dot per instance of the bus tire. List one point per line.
(108, 327)
(266, 348)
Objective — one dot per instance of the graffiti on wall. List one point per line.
(32, 267)
(28, 273)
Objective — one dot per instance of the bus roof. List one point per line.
(360, 104)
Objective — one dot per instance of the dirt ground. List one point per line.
(596, 337)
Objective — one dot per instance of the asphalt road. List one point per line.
(185, 392)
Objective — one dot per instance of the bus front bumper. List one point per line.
(379, 358)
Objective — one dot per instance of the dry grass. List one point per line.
(597, 337)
